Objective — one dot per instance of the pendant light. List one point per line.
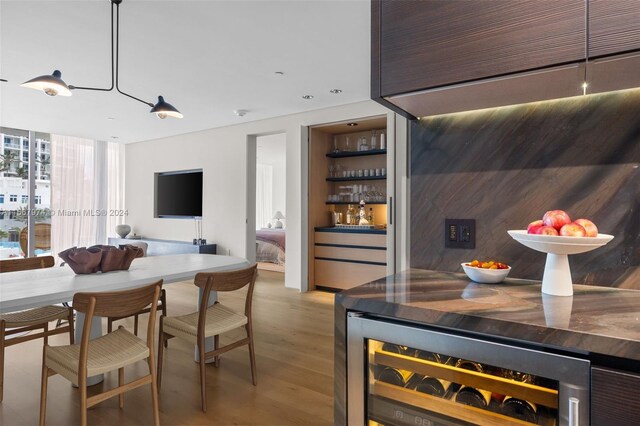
(53, 84)
(164, 110)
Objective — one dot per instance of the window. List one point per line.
(24, 199)
(38, 199)
(13, 198)
(1, 198)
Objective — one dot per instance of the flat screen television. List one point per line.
(178, 194)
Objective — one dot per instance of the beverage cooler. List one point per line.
(402, 374)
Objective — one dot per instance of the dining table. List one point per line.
(40, 287)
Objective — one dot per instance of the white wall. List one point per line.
(222, 154)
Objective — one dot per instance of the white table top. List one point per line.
(39, 287)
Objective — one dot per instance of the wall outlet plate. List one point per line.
(460, 233)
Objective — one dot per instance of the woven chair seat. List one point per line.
(35, 316)
(107, 353)
(219, 320)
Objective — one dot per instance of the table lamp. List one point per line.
(278, 216)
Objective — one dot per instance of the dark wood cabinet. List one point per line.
(433, 43)
(614, 397)
(614, 27)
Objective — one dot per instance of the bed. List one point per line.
(270, 246)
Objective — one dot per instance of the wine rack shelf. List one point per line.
(354, 202)
(443, 406)
(537, 394)
(349, 179)
(344, 154)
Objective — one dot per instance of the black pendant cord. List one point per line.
(112, 65)
(115, 59)
(118, 58)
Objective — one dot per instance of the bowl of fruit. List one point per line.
(489, 272)
(558, 236)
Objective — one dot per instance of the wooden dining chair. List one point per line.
(22, 323)
(211, 321)
(111, 352)
(162, 302)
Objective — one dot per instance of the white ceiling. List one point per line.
(207, 58)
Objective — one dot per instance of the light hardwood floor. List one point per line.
(294, 354)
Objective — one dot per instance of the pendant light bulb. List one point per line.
(52, 84)
(163, 109)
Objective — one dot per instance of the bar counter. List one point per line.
(596, 320)
(597, 323)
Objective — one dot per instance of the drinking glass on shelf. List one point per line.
(347, 145)
(331, 170)
(335, 144)
(337, 170)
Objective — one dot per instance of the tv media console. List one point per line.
(163, 247)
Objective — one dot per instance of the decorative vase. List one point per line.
(123, 230)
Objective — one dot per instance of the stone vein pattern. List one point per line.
(595, 320)
(505, 167)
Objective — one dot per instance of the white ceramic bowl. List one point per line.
(558, 244)
(487, 276)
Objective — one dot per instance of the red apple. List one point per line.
(590, 227)
(533, 226)
(547, 230)
(573, 230)
(556, 218)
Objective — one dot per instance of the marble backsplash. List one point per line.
(504, 167)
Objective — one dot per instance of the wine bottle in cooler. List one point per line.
(467, 365)
(398, 349)
(520, 409)
(474, 397)
(395, 376)
(433, 386)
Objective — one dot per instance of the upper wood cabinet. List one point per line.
(614, 27)
(419, 45)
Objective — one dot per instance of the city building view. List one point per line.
(15, 205)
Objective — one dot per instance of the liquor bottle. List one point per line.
(349, 215)
(479, 398)
(362, 216)
(395, 376)
(520, 409)
(370, 218)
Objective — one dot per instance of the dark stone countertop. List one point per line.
(351, 230)
(595, 321)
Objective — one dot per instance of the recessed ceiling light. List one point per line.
(307, 96)
(110, 118)
(114, 137)
(352, 124)
(240, 112)
(279, 73)
(335, 91)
